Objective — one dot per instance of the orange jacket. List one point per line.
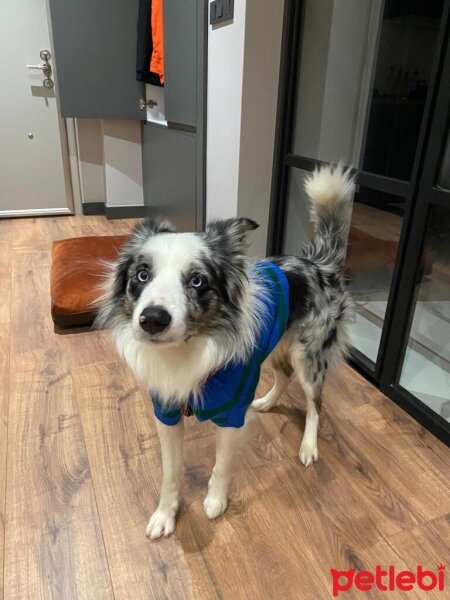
(157, 58)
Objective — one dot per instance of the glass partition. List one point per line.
(426, 365)
(372, 250)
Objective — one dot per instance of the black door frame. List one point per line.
(418, 192)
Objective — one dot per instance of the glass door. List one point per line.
(420, 377)
(425, 370)
(360, 81)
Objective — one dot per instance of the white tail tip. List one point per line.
(328, 185)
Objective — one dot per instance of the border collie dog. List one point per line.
(195, 319)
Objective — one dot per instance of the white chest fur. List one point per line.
(173, 371)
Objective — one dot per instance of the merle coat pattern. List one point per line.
(182, 305)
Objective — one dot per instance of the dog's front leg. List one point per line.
(162, 522)
(228, 442)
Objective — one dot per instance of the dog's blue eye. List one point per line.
(196, 281)
(142, 275)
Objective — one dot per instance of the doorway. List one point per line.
(34, 158)
(368, 82)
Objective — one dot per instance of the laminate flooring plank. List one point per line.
(126, 468)
(5, 328)
(83, 470)
(53, 541)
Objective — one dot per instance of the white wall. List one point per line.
(243, 72)
(123, 163)
(110, 161)
(225, 75)
(263, 32)
(90, 160)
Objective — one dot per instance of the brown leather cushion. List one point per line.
(76, 274)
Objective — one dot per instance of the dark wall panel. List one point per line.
(95, 56)
(170, 176)
(180, 52)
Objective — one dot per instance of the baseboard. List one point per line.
(35, 212)
(127, 212)
(93, 208)
(116, 212)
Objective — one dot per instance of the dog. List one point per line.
(195, 318)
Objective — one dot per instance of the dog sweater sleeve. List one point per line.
(165, 414)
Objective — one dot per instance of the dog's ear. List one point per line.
(234, 229)
(226, 239)
(112, 288)
(120, 275)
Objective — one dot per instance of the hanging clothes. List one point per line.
(150, 43)
(157, 57)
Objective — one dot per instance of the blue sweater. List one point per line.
(228, 392)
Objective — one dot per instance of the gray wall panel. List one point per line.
(170, 176)
(180, 52)
(95, 56)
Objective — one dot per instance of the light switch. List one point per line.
(220, 11)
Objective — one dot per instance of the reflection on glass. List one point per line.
(374, 233)
(338, 45)
(426, 366)
(407, 44)
(444, 176)
(364, 59)
(298, 226)
(372, 249)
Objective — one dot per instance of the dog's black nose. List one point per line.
(154, 319)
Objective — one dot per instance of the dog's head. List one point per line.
(172, 286)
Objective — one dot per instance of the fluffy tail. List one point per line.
(331, 190)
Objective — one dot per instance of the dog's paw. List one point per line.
(162, 522)
(308, 453)
(215, 506)
(264, 404)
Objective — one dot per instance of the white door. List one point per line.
(34, 172)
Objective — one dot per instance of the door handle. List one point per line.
(45, 67)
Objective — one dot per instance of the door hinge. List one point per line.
(144, 103)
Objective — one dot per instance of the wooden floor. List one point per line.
(80, 471)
